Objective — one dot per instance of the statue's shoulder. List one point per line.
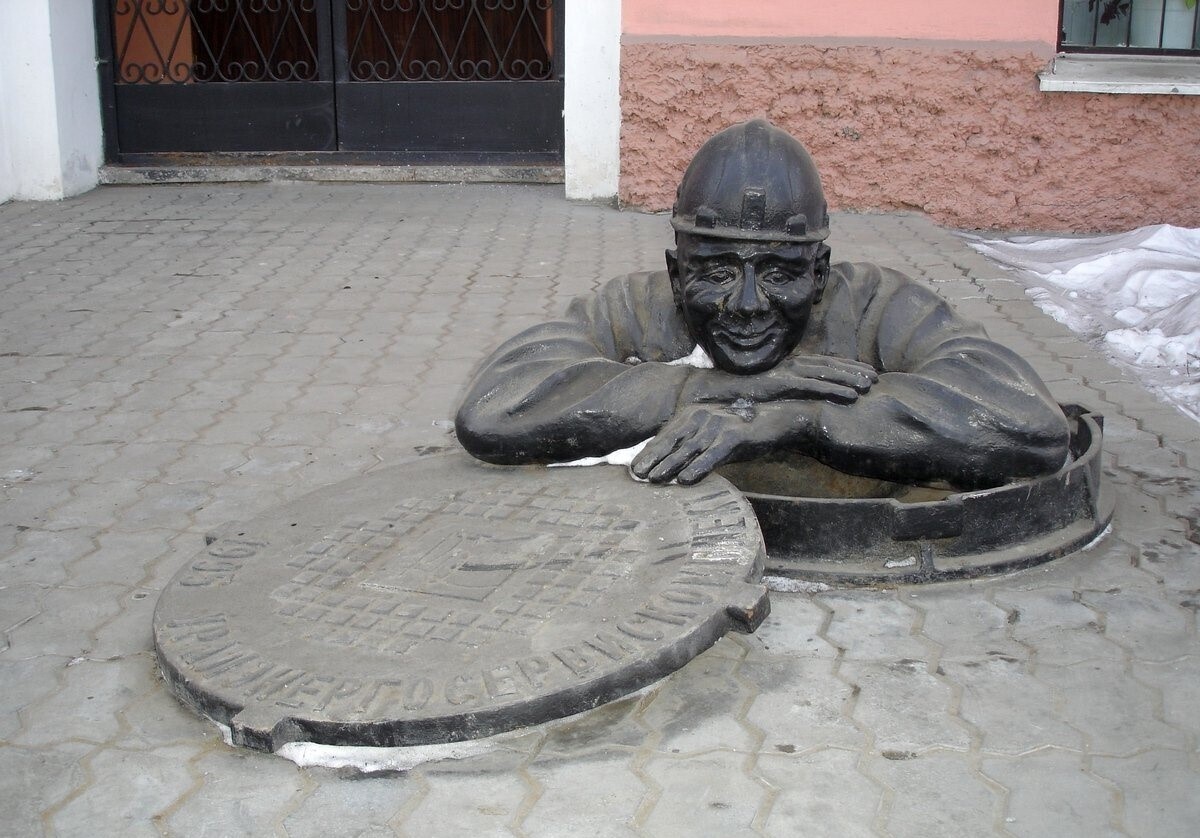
(638, 283)
(869, 275)
(867, 281)
(637, 292)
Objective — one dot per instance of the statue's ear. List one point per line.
(821, 270)
(673, 272)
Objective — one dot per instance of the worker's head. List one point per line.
(750, 220)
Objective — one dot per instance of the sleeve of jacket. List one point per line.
(950, 405)
(585, 385)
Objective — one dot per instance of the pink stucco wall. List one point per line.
(967, 20)
(959, 132)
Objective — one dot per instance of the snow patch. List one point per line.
(368, 760)
(783, 584)
(374, 760)
(620, 457)
(1135, 295)
(698, 359)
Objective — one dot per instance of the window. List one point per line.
(1154, 27)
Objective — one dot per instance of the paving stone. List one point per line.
(60, 621)
(1176, 561)
(820, 793)
(1051, 793)
(203, 463)
(362, 806)
(30, 501)
(1143, 623)
(903, 706)
(701, 712)
(1013, 710)
(43, 557)
(94, 505)
(221, 806)
(118, 558)
(128, 632)
(239, 427)
(24, 683)
(792, 628)
(87, 706)
(1115, 712)
(138, 461)
(611, 725)
(967, 627)
(610, 808)
(169, 506)
(128, 792)
(468, 804)
(872, 626)
(1159, 791)
(34, 780)
(156, 719)
(1057, 625)
(1178, 681)
(935, 794)
(801, 705)
(709, 794)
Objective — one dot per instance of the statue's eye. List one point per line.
(774, 276)
(720, 274)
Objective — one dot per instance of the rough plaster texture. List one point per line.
(961, 134)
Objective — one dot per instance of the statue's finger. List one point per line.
(702, 465)
(676, 461)
(661, 446)
(706, 429)
(815, 388)
(860, 381)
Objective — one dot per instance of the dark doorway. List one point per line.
(421, 81)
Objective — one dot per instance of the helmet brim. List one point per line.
(683, 225)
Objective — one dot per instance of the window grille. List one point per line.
(1153, 27)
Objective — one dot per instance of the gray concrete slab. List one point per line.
(175, 357)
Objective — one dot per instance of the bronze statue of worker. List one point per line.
(752, 345)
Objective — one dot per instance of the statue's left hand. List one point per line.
(703, 436)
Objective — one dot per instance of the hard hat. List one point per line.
(752, 182)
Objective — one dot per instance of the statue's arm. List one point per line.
(949, 406)
(964, 419)
(558, 391)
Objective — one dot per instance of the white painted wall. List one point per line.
(7, 177)
(50, 133)
(592, 99)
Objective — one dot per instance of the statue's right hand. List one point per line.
(796, 377)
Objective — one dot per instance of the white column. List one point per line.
(50, 132)
(592, 99)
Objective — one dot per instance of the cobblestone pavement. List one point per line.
(175, 357)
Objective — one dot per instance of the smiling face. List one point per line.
(746, 302)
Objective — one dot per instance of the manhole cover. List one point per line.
(446, 599)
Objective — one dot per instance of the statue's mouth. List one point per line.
(745, 340)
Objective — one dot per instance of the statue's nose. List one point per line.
(750, 299)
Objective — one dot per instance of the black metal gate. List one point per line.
(422, 81)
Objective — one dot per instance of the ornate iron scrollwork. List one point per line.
(194, 41)
(190, 41)
(449, 40)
